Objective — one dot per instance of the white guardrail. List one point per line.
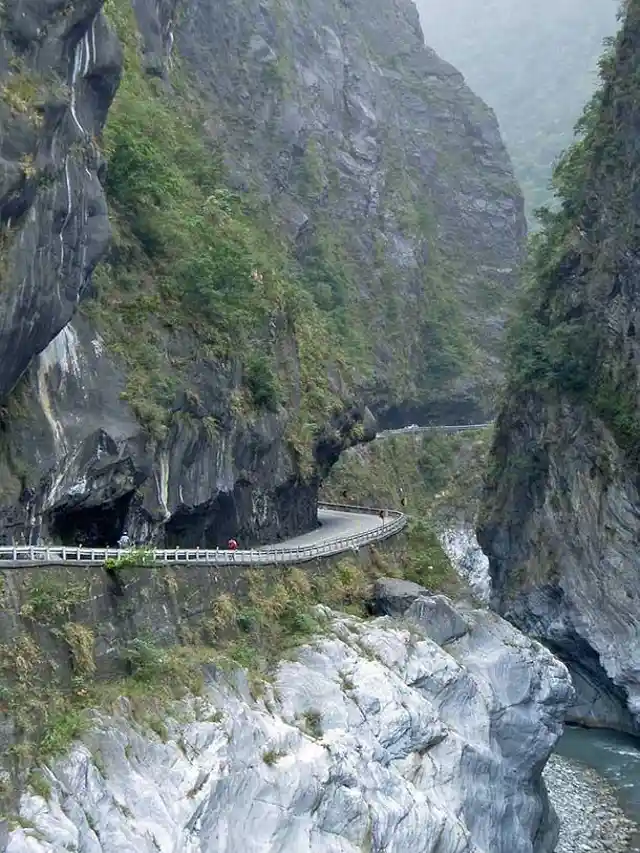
(35, 554)
(420, 430)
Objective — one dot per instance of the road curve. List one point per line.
(334, 524)
(340, 529)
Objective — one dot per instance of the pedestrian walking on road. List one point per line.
(124, 541)
(232, 546)
(381, 513)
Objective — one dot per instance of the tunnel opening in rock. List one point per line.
(93, 527)
(212, 524)
(247, 514)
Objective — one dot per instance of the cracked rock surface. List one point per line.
(373, 738)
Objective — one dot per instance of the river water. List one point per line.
(616, 757)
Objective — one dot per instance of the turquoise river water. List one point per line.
(614, 756)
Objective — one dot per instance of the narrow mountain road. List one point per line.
(340, 529)
(418, 430)
(334, 524)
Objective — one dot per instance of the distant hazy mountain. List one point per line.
(534, 63)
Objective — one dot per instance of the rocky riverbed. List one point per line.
(591, 821)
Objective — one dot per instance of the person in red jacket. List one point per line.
(232, 545)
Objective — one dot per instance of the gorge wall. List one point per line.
(59, 69)
(311, 215)
(428, 735)
(561, 512)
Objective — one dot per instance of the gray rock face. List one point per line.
(564, 560)
(461, 546)
(393, 597)
(105, 474)
(353, 133)
(155, 20)
(561, 516)
(536, 121)
(374, 738)
(438, 618)
(349, 126)
(59, 69)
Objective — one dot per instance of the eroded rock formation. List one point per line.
(376, 737)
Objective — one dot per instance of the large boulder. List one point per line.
(394, 596)
(438, 618)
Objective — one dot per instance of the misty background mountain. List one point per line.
(535, 64)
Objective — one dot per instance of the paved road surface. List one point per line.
(420, 430)
(357, 526)
(333, 525)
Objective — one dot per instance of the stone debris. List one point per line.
(591, 820)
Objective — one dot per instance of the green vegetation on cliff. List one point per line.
(201, 278)
(199, 272)
(569, 339)
(437, 474)
(53, 666)
(195, 272)
(435, 478)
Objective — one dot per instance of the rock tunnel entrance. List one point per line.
(93, 527)
(250, 516)
(208, 526)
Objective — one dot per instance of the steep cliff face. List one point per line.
(311, 214)
(59, 69)
(430, 736)
(561, 519)
(388, 175)
(215, 474)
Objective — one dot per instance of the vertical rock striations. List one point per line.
(356, 250)
(59, 69)
(561, 516)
